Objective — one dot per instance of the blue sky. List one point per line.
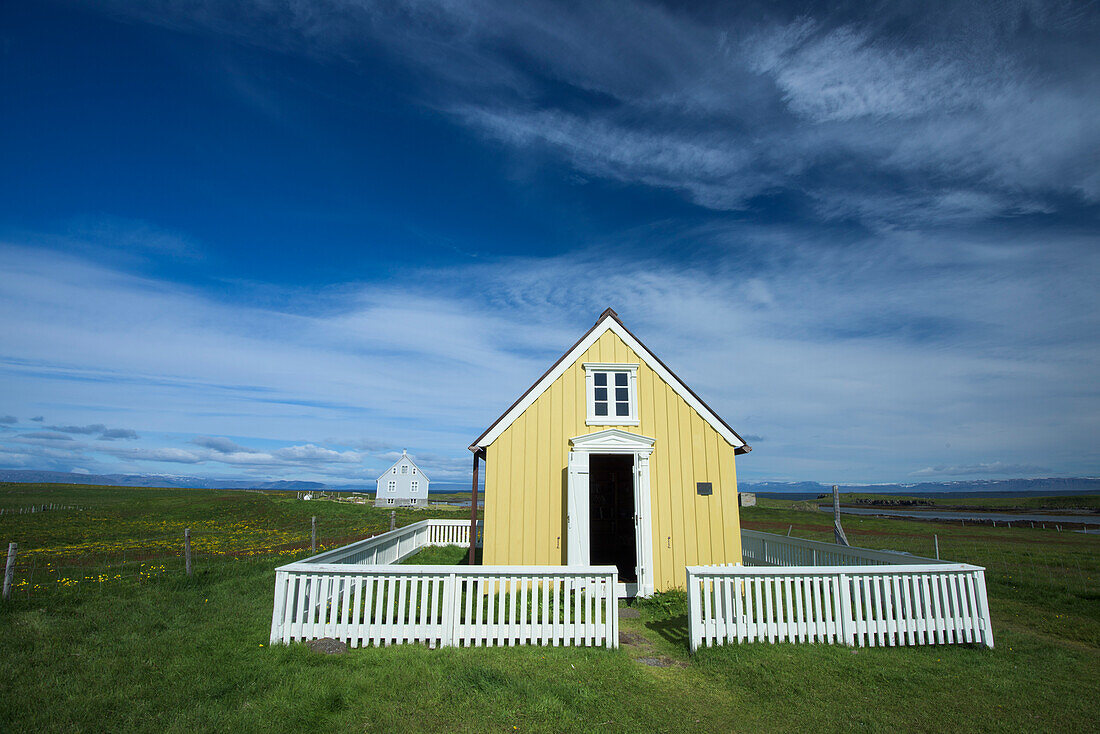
(287, 240)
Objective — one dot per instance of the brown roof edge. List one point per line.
(610, 313)
(607, 313)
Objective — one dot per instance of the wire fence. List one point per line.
(1020, 557)
(91, 564)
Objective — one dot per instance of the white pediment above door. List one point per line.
(612, 440)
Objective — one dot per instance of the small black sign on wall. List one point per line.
(703, 488)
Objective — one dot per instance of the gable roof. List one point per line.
(404, 457)
(609, 321)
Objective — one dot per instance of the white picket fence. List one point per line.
(356, 594)
(916, 602)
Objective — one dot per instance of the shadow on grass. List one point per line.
(673, 629)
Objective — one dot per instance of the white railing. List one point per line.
(356, 594)
(397, 545)
(887, 599)
(768, 549)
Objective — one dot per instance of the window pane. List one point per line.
(622, 409)
(601, 393)
(601, 408)
(600, 378)
(621, 393)
(620, 379)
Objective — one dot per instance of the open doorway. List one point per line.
(611, 507)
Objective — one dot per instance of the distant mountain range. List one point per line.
(1053, 484)
(1057, 484)
(148, 480)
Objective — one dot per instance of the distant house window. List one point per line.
(392, 487)
(389, 500)
(413, 502)
(404, 468)
(415, 487)
(414, 470)
(395, 470)
(612, 394)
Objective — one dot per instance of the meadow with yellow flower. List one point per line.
(131, 643)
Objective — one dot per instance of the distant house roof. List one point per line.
(609, 321)
(404, 458)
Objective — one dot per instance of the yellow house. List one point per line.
(610, 459)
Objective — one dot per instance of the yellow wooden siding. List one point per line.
(525, 475)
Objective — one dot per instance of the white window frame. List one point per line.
(590, 370)
(414, 486)
(391, 487)
(390, 500)
(404, 468)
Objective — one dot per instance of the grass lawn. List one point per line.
(164, 652)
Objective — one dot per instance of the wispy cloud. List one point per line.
(962, 111)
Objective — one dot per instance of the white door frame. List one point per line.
(610, 441)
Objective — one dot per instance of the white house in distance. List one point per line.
(403, 485)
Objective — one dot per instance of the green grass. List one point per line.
(172, 653)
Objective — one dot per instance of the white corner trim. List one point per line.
(574, 354)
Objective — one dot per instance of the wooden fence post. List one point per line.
(9, 570)
(393, 520)
(313, 536)
(838, 529)
(936, 538)
(187, 550)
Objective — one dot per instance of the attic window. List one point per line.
(404, 468)
(611, 394)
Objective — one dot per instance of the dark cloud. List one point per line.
(105, 433)
(8, 419)
(38, 419)
(84, 430)
(221, 445)
(46, 436)
(111, 434)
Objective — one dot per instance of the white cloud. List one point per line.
(859, 362)
(176, 456)
(982, 469)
